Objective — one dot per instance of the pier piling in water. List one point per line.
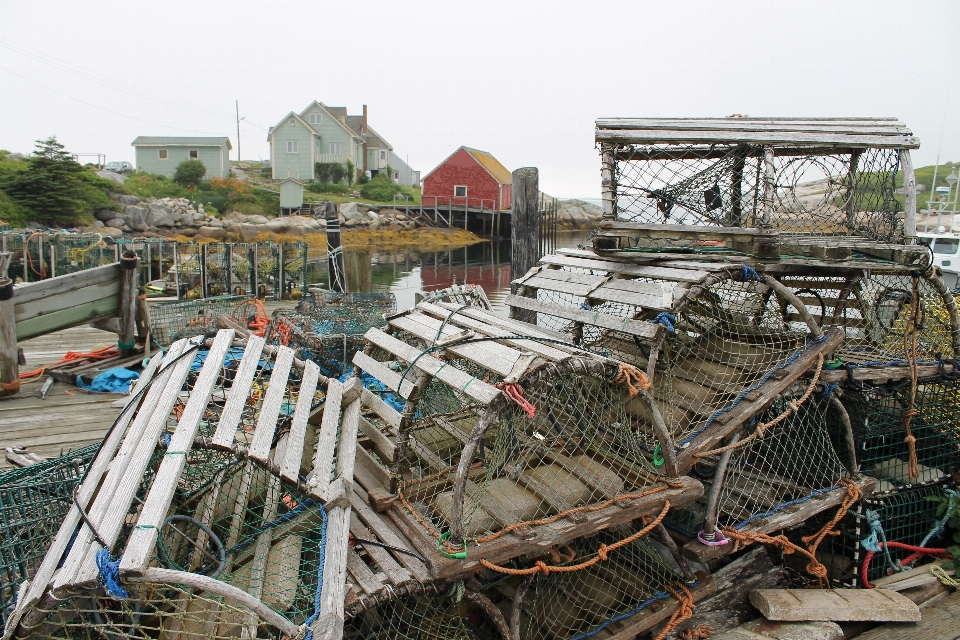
(525, 234)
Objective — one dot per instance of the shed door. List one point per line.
(293, 172)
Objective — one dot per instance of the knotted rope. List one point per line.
(603, 553)
(258, 321)
(515, 392)
(667, 320)
(793, 406)
(699, 632)
(910, 351)
(628, 374)
(683, 613)
(915, 553)
(110, 572)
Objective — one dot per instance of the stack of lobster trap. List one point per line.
(755, 344)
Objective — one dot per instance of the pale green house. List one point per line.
(162, 154)
(317, 134)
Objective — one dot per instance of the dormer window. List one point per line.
(316, 118)
(293, 122)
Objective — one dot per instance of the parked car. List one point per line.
(119, 166)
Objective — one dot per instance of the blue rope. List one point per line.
(322, 553)
(748, 274)
(110, 572)
(763, 380)
(585, 306)
(667, 320)
(659, 595)
(783, 506)
(829, 388)
(871, 542)
(938, 527)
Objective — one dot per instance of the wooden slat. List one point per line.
(385, 448)
(145, 377)
(91, 483)
(853, 127)
(771, 138)
(387, 376)
(298, 427)
(327, 441)
(550, 284)
(51, 287)
(610, 266)
(346, 458)
(329, 625)
(362, 575)
(560, 276)
(389, 415)
(490, 355)
(455, 378)
(237, 398)
(387, 536)
(24, 311)
(368, 472)
(111, 506)
(395, 573)
(639, 328)
(270, 407)
(143, 539)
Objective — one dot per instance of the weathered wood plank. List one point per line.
(642, 271)
(861, 141)
(46, 305)
(270, 407)
(143, 538)
(380, 371)
(51, 287)
(797, 605)
(385, 448)
(327, 440)
(639, 328)
(361, 575)
(395, 573)
(298, 427)
(491, 355)
(237, 398)
(347, 451)
(455, 378)
(330, 623)
(368, 472)
(82, 313)
(387, 536)
(389, 415)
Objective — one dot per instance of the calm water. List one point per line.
(406, 272)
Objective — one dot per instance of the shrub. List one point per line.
(246, 208)
(145, 185)
(351, 172)
(10, 212)
(381, 189)
(189, 173)
(329, 172)
(228, 187)
(362, 178)
(318, 187)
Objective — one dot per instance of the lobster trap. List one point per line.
(265, 270)
(426, 617)
(33, 501)
(505, 429)
(329, 335)
(171, 321)
(214, 509)
(766, 186)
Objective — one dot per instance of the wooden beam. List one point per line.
(525, 234)
(127, 338)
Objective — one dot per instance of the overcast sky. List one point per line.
(524, 80)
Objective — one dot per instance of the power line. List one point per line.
(91, 76)
(90, 104)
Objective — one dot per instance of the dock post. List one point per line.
(127, 339)
(525, 232)
(334, 249)
(9, 359)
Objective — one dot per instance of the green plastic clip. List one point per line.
(462, 555)
(835, 363)
(657, 457)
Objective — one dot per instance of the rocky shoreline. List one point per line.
(178, 218)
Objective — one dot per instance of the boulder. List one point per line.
(212, 233)
(188, 232)
(105, 214)
(277, 225)
(350, 211)
(389, 212)
(373, 226)
(166, 221)
(374, 217)
(136, 217)
(247, 232)
(112, 231)
(126, 200)
(115, 222)
(97, 224)
(155, 213)
(213, 222)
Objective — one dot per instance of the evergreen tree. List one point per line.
(54, 187)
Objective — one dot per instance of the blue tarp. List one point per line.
(110, 381)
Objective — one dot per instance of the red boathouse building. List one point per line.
(470, 178)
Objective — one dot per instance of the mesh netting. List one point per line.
(763, 476)
(156, 259)
(577, 450)
(585, 603)
(723, 185)
(329, 334)
(267, 270)
(33, 501)
(424, 617)
(170, 321)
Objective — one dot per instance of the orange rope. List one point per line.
(260, 319)
(603, 553)
(628, 374)
(102, 353)
(515, 392)
(699, 632)
(763, 426)
(910, 351)
(853, 496)
(683, 613)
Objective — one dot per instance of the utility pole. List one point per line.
(237, 102)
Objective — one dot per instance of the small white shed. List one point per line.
(291, 195)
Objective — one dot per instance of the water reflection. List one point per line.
(407, 272)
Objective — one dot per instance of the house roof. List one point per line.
(180, 141)
(355, 123)
(491, 164)
(337, 111)
(292, 114)
(333, 112)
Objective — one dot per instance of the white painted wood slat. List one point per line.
(238, 394)
(298, 428)
(327, 440)
(271, 405)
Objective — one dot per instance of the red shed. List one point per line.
(469, 177)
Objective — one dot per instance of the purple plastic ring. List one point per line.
(719, 541)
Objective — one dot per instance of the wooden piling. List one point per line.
(9, 360)
(127, 339)
(525, 231)
(334, 249)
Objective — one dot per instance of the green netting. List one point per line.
(170, 321)
(593, 602)
(266, 270)
(33, 502)
(424, 617)
(156, 260)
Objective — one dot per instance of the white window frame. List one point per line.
(163, 153)
(459, 195)
(293, 146)
(383, 155)
(293, 122)
(316, 118)
(194, 154)
(336, 149)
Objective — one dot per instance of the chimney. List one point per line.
(363, 127)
